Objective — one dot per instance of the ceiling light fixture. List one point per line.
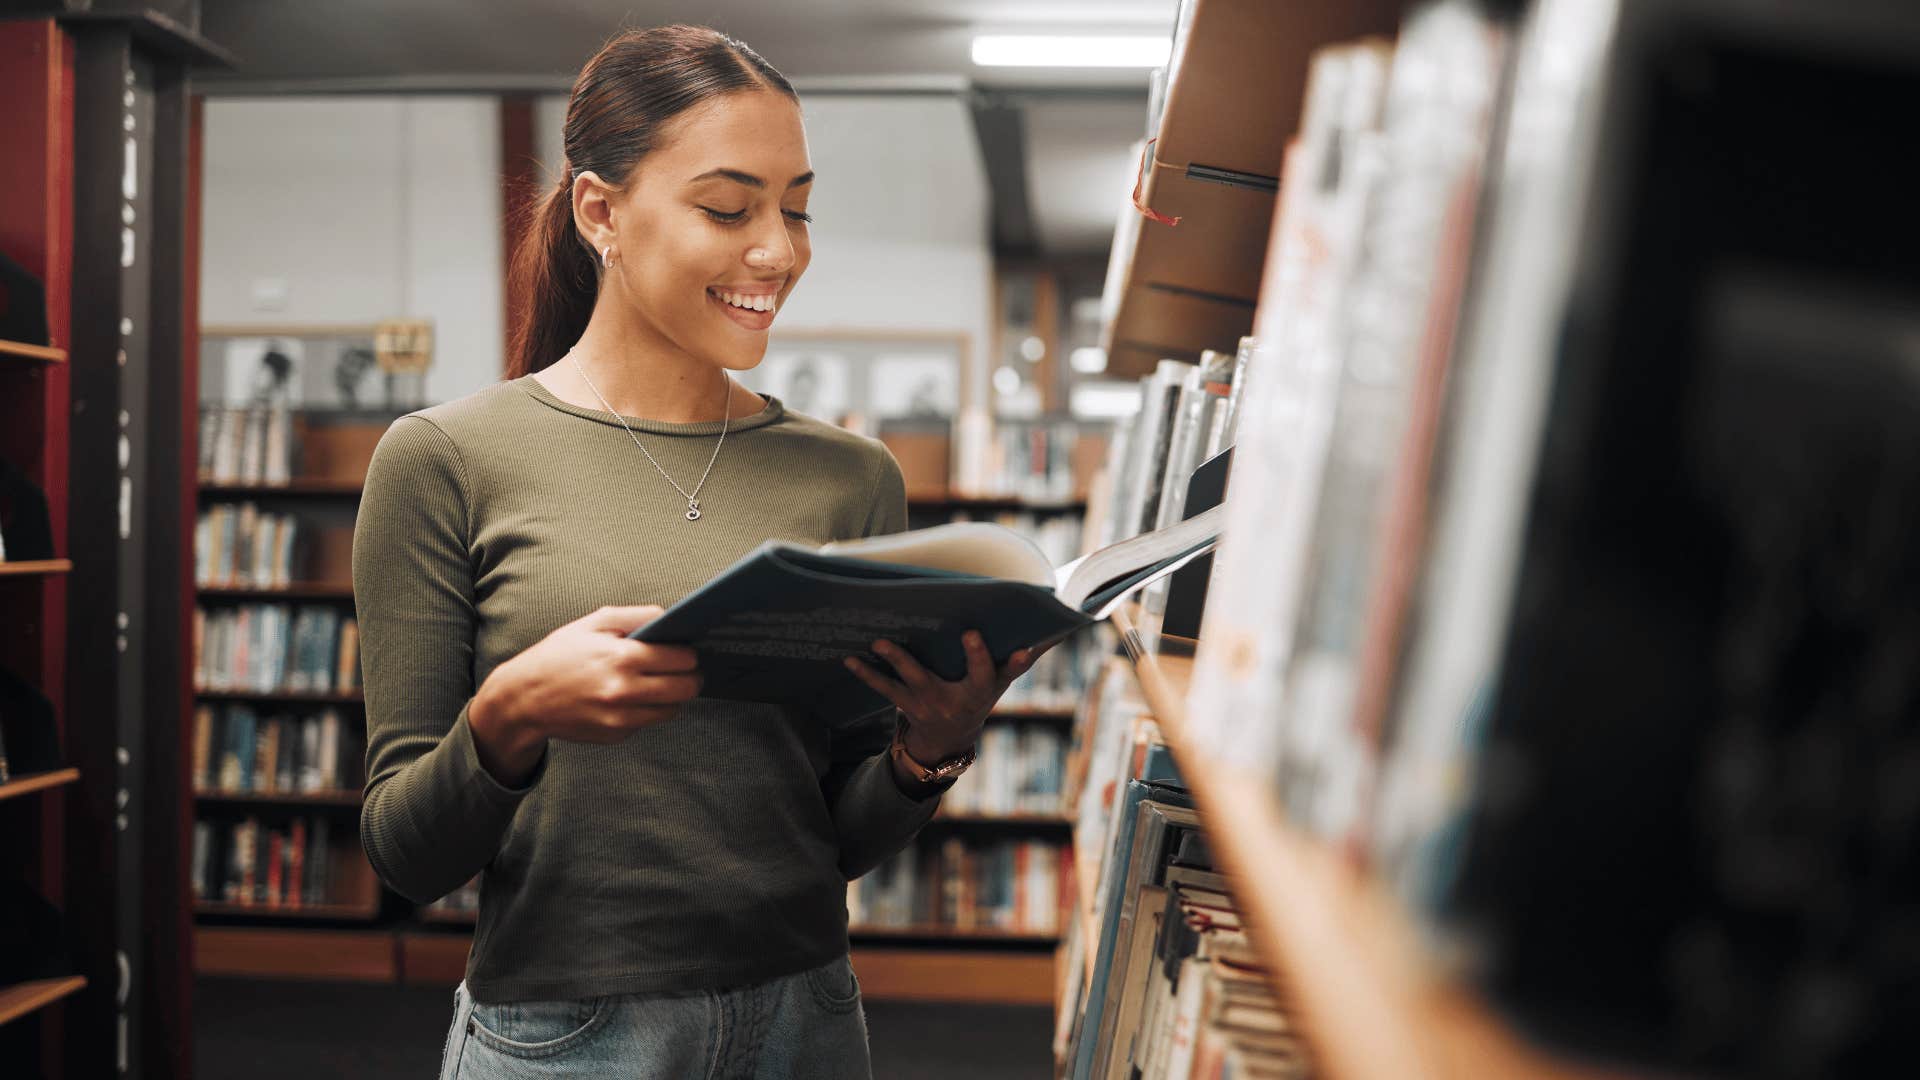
(1062, 51)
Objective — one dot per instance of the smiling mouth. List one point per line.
(748, 312)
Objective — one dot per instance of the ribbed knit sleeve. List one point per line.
(433, 817)
(872, 817)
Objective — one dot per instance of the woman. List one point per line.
(665, 875)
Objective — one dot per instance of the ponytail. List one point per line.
(554, 277)
(637, 82)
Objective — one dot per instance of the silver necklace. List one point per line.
(692, 497)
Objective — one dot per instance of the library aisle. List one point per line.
(1451, 464)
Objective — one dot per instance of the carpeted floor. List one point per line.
(245, 1029)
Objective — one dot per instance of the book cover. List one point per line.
(778, 625)
(1125, 863)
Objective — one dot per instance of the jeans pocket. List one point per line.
(537, 1029)
(834, 986)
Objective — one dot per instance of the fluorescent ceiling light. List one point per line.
(1062, 51)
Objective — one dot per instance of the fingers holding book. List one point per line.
(585, 682)
(944, 716)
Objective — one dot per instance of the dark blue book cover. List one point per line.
(778, 625)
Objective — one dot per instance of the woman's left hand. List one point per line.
(943, 718)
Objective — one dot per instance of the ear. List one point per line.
(593, 209)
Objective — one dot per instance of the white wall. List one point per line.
(374, 207)
(357, 209)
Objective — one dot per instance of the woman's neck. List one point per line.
(643, 377)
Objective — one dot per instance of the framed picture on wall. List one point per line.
(262, 370)
(309, 368)
(818, 383)
(855, 377)
(919, 386)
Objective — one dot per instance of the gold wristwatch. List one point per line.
(929, 776)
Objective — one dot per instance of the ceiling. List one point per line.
(1059, 167)
(506, 42)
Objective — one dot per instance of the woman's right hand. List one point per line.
(586, 682)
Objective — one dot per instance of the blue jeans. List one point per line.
(797, 1026)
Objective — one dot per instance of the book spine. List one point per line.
(202, 744)
(275, 874)
(297, 862)
(347, 677)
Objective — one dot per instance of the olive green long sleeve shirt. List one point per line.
(710, 850)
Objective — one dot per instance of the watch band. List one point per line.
(930, 778)
(931, 774)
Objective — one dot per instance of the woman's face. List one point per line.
(711, 228)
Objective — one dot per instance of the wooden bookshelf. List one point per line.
(936, 932)
(35, 567)
(297, 488)
(367, 956)
(1035, 714)
(43, 354)
(299, 590)
(1054, 820)
(284, 697)
(364, 912)
(887, 972)
(32, 782)
(1342, 949)
(983, 976)
(19, 999)
(344, 798)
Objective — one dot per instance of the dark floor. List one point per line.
(321, 1031)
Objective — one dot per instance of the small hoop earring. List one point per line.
(606, 259)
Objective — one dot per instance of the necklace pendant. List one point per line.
(693, 510)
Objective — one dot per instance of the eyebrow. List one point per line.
(748, 178)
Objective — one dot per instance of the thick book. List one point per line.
(778, 625)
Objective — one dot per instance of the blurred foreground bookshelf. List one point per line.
(1491, 755)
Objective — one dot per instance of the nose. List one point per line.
(772, 251)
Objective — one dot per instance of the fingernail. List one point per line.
(851, 663)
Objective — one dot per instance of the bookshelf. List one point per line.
(295, 489)
(23, 998)
(1400, 768)
(23, 352)
(35, 567)
(1344, 953)
(47, 1003)
(41, 781)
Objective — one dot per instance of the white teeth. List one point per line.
(750, 303)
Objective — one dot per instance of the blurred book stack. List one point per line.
(1015, 886)
(276, 649)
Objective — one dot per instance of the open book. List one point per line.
(778, 625)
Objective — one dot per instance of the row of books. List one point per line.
(1161, 979)
(246, 444)
(1018, 769)
(1057, 681)
(240, 862)
(1187, 413)
(237, 546)
(1366, 274)
(1032, 459)
(276, 648)
(237, 751)
(1010, 885)
(1529, 594)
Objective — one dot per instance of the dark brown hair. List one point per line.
(632, 86)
